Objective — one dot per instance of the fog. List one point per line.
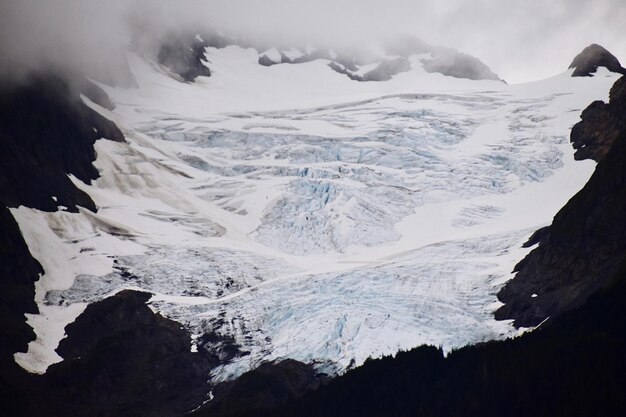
(519, 40)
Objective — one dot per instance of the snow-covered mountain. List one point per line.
(275, 208)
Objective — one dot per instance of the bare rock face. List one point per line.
(586, 242)
(587, 62)
(120, 359)
(47, 132)
(18, 273)
(123, 359)
(183, 55)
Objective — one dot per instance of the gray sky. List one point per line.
(520, 40)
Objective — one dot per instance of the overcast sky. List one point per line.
(520, 40)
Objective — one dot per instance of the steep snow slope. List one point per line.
(310, 216)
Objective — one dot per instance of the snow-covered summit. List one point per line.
(181, 54)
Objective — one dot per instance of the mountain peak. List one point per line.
(586, 63)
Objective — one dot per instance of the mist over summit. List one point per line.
(89, 36)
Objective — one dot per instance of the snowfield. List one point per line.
(310, 216)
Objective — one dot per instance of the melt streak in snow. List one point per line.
(310, 216)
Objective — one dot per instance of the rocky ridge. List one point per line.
(587, 62)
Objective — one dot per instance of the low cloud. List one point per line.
(518, 40)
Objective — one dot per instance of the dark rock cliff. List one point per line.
(602, 123)
(47, 132)
(580, 250)
(18, 273)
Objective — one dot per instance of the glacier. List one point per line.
(309, 216)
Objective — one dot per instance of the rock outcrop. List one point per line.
(18, 273)
(459, 65)
(383, 71)
(183, 55)
(120, 358)
(602, 123)
(446, 61)
(436, 59)
(587, 62)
